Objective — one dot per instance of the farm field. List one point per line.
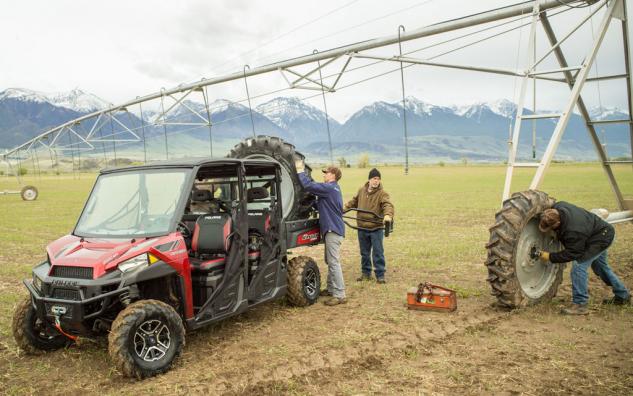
(373, 344)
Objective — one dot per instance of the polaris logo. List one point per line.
(64, 283)
(309, 237)
(212, 217)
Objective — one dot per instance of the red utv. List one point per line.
(170, 246)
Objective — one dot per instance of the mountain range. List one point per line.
(478, 132)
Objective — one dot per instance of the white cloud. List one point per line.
(119, 50)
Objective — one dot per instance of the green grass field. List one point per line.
(441, 227)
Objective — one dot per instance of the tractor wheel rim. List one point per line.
(534, 276)
(152, 340)
(287, 187)
(310, 282)
(29, 194)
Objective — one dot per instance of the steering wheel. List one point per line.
(183, 229)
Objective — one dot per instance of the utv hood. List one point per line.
(99, 254)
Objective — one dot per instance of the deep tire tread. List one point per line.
(286, 154)
(501, 247)
(122, 327)
(295, 294)
(27, 343)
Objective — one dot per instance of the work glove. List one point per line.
(300, 166)
(543, 255)
(387, 219)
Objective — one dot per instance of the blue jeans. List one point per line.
(371, 248)
(600, 266)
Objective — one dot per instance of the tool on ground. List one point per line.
(430, 297)
(386, 225)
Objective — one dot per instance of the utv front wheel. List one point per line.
(31, 334)
(304, 281)
(145, 339)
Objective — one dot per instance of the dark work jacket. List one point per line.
(583, 234)
(329, 203)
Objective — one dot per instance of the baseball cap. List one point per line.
(333, 170)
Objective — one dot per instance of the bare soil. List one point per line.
(372, 345)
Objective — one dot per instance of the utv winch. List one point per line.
(169, 247)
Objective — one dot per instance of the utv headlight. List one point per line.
(134, 263)
(37, 283)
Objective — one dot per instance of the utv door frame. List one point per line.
(238, 249)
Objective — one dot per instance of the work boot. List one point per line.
(335, 301)
(615, 300)
(363, 278)
(325, 293)
(381, 280)
(576, 309)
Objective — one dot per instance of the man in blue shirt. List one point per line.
(330, 206)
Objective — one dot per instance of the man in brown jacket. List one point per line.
(373, 198)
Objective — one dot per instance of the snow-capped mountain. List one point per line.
(478, 131)
(228, 119)
(608, 113)
(76, 100)
(299, 117)
(501, 107)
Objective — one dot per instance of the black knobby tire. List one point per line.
(130, 344)
(304, 281)
(30, 334)
(516, 279)
(297, 205)
(29, 193)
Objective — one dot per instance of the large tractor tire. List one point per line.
(31, 334)
(517, 280)
(304, 281)
(297, 204)
(146, 337)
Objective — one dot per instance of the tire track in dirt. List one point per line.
(326, 368)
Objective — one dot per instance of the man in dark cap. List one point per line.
(330, 206)
(372, 197)
(586, 238)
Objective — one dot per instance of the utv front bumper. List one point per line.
(80, 300)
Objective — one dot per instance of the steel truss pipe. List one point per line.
(520, 9)
(620, 217)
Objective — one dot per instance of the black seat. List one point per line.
(255, 193)
(258, 219)
(210, 242)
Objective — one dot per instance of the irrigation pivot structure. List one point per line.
(307, 73)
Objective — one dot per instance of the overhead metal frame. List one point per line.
(305, 81)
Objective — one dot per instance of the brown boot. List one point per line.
(325, 293)
(334, 301)
(576, 309)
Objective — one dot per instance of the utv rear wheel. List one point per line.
(304, 281)
(517, 279)
(297, 203)
(145, 339)
(30, 332)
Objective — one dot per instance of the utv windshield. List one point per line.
(132, 204)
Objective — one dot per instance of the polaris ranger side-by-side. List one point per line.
(170, 246)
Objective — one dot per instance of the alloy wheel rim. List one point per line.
(152, 340)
